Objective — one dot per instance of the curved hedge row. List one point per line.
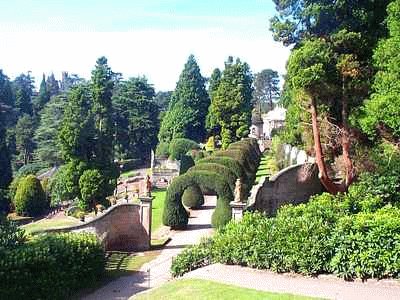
(51, 266)
(218, 173)
(174, 213)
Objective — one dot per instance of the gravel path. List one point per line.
(327, 287)
(157, 272)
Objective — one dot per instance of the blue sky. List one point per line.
(151, 38)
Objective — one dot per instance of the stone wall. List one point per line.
(122, 227)
(292, 185)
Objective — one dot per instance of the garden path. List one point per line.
(157, 272)
(325, 286)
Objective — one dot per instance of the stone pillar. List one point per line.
(145, 214)
(237, 210)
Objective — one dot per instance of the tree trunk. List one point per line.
(326, 181)
(349, 177)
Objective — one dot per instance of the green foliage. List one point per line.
(162, 149)
(179, 147)
(5, 164)
(48, 150)
(231, 103)
(30, 199)
(31, 169)
(193, 197)
(188, 106)
(266, 89)
(367, 245)
(186, 163)
(65, 184)
(11, 236)
(381, 112)
(24, 131)
(192, 258)
(136, 118)
(91, 185)
(23, 88)
(226, 161)
(212, 125)
(51, 267)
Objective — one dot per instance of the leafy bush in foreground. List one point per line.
(50, 266)
(351, 235)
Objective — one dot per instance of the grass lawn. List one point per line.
(127, 174)
(158, 207)
(267, 167)
(203, 290)
(49, 223)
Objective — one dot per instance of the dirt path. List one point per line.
(157, 272)
(327, 287)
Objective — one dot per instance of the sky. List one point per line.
(150, 38)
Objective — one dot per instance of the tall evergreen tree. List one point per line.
(43, 97)
(232, 102)
(136, 117)
(23, 89)
(77, 130)
(102, 85)
(190, 95)
(46, 134)
(5, 164)
(52, 86)
(6, 95)
(266, 89)
(212, 124)
(24, 131)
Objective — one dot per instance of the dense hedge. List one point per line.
(349, 235)
(30, 199)
(174, 213)
(217, 173)
(193, 197)
(51, 267)
(179, 147)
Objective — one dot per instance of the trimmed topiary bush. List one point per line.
(217, 168)
(91, 185)
(30, 199)
(228, 162)
(179, 147)
(175, 215)
(193, 197)
(51, 266)
(186, 163)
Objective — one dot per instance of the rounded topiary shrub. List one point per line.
(30, 199)
(193, 197)
(179, 147)
(92, 185)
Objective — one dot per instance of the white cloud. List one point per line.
(157, 54)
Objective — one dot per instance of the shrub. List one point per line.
(193, 197)
(217, 168)
(179, 147)
(11, 236)
(228, 162)
(91, 185)
(51, 267)
(30, 198)
(175, 215)
(192, 258)
(186, 163)
(367, 245)
(162, 149)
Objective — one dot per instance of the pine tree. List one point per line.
(40, 101)
(136, 117)
(266, 89)
(24, 131)
(52, 86)
(46, 134)
(5, 164)
(102, 87)
(232, 101)
(212, 124)
(23, 87)
(191, 96)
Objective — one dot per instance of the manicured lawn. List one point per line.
(266, 167)
(158, 207)
(194, 289)
(127, 174)
(49, 223)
